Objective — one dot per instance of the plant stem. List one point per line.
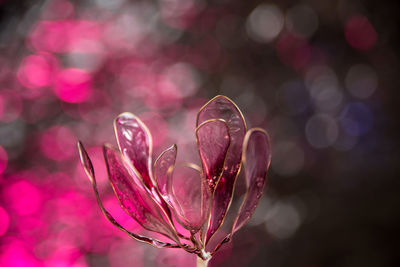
(201, 262)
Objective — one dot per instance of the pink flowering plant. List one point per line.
(162, 194)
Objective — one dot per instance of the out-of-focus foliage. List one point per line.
(321, 76)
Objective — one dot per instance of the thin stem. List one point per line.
(183, 237)
(225, 240)
(202, 263)
(194, 241)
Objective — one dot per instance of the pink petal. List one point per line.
(221, 107)
(134, 198)
(256, 160)
(163, 168)
(86, 162)
(88, 166)
(190, 197)
(213, 140)
(135, 143)
(183, 189)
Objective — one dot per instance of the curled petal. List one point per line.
(86, 162)
(87, 165)
(162, 169)
(135, 143)
(190, 197)
(221, 107)
(256, 160)
(134, 198)
(183, 189)
(213, 140)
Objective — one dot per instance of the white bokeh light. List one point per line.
(323, 86)
(321, 131)
(282, 220)
(185, 77)
(265, 23)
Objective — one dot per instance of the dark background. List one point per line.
(332, 196)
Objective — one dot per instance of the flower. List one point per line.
(197, 197)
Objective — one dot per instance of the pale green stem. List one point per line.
(201, 262)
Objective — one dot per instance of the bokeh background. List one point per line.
(320, 76)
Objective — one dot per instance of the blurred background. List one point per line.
(320, 76)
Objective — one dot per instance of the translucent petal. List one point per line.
(190, 197)
(134, 198)
(256, 160)
(221, 107)
(213, 140)
(163, 167)
(135, 143)
(86, 162)
(87, 165)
